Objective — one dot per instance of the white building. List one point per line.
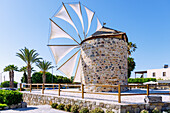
(163, 73)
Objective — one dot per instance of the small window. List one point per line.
(154, 74)
(164, 74)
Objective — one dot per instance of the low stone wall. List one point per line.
(13, 106)
(39, 99)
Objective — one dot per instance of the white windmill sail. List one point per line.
(68, 67)
(90, 16)
(78, 77)
(77, 9)
(63, 14)
(61, 50)
(56, 32)
(99, 25)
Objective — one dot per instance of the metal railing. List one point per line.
(119, 94)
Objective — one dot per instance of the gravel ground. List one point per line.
(34, 109)
(108, 98)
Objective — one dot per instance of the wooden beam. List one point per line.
(147, 90)
(59, 90)
(70, 18)
(30, 88)
(62, 45)
(82, 90)
(20, 86)
(68, 59)
(119, 93)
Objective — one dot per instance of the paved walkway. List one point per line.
(106, 98)
(34, 109)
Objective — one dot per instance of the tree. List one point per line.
(131, 48)
(11, 69)
(131, 63)
(24, 78)
(29, 57)
(44, 66)
(24, 69)
(7, 84)
(37, 78)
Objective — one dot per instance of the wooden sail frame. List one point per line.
(68, 59)
(70, 19)
(91, 14)
(63, 30)
(90, 22)
(91, 19)
(62, 45)
(77, 68)
(82, 16)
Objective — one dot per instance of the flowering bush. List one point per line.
(84, 110)
(144, 111)
(97, 110)
(67, 107)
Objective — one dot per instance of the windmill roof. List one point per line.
(106, 31)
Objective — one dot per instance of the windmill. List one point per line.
(101, 52)
(59, 51)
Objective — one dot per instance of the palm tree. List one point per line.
(24, 78)
(29, 57)
(24, 69)
(44, 66)
(131, 48)
(11, 69)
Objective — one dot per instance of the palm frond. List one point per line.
(28, 56)
(44, 65)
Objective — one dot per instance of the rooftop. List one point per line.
(106, 31)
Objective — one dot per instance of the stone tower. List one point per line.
(104, 59)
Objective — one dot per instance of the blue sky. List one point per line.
(25, 23)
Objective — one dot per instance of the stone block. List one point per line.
(13, 106)
(153, 99)
(19, 105)
(24, 105)
(123, 111)
(137, 110)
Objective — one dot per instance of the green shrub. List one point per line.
(155, 110)
(75, 108)
(144, 111)
(108, 111)
(67, 107)
(3, 105)
(60, 106)
(10, 97)
(6, 84)
(84, 110)
(97, 110)
(21, 89)
(54, 105)
(140, 80)
(37, 78)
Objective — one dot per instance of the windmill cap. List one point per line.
(108, 32)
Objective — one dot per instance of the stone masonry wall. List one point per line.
(39, 99)
(104, 61)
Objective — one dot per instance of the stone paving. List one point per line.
(34, 109)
